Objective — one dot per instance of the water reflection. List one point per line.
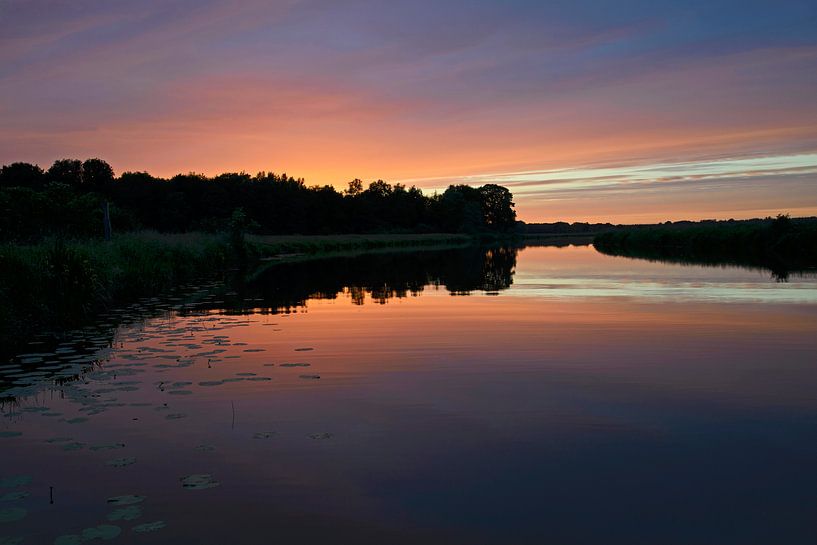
(280, 288)
(779, 269)
(285, 287)
(596, 400)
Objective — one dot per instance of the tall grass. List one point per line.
(59, 283)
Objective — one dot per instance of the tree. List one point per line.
(66, 171)
(22, 175)
(460, 210)
(97, 175)
(497, 207)
(380, 189)
(355, 187)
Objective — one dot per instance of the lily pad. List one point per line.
(70, 539)
(77, 420)
(199, 482)
(175, 416)
(112, 446)
(15, 481)
(263, 435)
(131, 512)
(149, 527)
(4, 434)
(321, 436)
(102, 532)
(10, 540)
(121, 462)
(206, 448)
(12, 514)
(310, 377)
(128, 499)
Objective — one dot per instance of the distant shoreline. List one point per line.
(781, 244)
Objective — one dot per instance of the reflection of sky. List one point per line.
(418, 90)
(657, 291)
(587, 274)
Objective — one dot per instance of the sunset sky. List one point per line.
(587, 110)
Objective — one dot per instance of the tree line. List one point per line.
(66, 199)
(780, 244)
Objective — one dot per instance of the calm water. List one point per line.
(554, 395)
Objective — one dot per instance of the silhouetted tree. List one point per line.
(66, 171)
(22, 175)
(497, 207)
(97, 176)
(355, 187)
(461, 209)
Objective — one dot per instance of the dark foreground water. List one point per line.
(554, 395)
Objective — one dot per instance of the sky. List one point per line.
(588, 110)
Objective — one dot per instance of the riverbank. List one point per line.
(55, 285)
(782, 244)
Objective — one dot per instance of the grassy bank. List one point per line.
(60, 284)
(64, 283)
(779, 244)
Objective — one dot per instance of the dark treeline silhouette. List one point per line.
(781, 245)
(67, 199)
(564, 228)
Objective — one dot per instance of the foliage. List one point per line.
(61, 283)
(564, 228)
(272, 203)
(28, 214)
(780, 243)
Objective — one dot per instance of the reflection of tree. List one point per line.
(499, 268)
(380, 277)
(488, 270)
(357, 294)
(777, 268)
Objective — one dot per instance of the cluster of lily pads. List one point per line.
(92, 370)
(126, 508)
